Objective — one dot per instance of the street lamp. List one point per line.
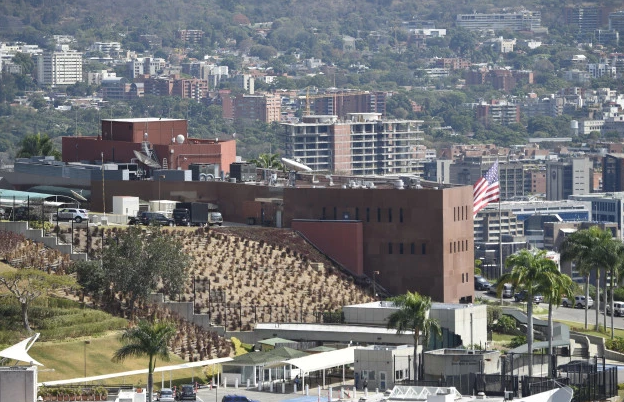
(87, 342)
(375, 285)
(160, 177)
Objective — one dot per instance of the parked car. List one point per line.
(155, 218)
(577, 366)
(237, 398)
(480, 283)
(577, 302)
(618, 309)
(166, 395)
(506, 291)
(522, 295)
(72, 214)
(187, 391)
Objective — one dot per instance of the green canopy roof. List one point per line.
(275, 341)
(261, 358)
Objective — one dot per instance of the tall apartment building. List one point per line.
(510, 176)
(265, 107)
(190, 35)
(567, 178)
(244, 81)
(518, 21)
(106, 47)
(145, 66)
(59, 67)
(535, 181)
(613, 173)
(363, 144)
(501, 113)
(190, 88)
(343, 103)
(616, 21)
(587, 19)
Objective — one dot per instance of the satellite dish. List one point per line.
(79, 197)
(146, 160)
(295, 166)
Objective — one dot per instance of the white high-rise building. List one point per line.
(60, 67)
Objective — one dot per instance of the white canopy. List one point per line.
(320, 361)
(19, 351)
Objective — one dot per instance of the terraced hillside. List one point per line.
(248, 275)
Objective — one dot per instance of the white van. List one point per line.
(618, 308)
(507, 292)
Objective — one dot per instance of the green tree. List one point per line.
(28, 284)
(37, 145)
(553, 286)
(146, 339)
(136, 263)
(591, 249)
(527, 269)
(268, 161)
(413, 315)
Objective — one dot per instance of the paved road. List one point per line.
(563, 313)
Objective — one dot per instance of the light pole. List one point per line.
(160, 177)
(87, 342)
(375, 285)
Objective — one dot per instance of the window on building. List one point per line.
(323, 216)
(389, 248)
(401, 215)
(423, 248)
(378, 214)
(389, 214)
(367, 214)
(357, 214)
(400, 248)
(413, 248)
(335, 213)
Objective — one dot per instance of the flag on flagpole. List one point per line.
(486, 189)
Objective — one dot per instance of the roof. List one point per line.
(262, 358)
(320, 361)
(275, 341)
(321, 349)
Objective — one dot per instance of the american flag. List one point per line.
(486, 190)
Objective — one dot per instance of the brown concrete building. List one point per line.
(265, 107)
(166, 138)
(418, 240)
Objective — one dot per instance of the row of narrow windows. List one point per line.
(460, 213)
(458, 246)
(377, 214)
(401, 249)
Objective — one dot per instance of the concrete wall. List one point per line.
(340, 239)
(18, 384)
(37, 236)
(185, 310)
(452, 362)
(466, 320)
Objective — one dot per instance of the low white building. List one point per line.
(380, 366)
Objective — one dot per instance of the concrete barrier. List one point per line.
(37, 235)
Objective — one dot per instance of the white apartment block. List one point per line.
(60, 67)
(145, 66)
(597, 70)
(520, 21)
(106, 47)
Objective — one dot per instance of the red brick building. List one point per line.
(121, 137)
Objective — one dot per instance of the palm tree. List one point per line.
(413, 315)
(553, 286)
(267, 161)
(595, 249)
(37, 145)
(527, 269)
(146, 339)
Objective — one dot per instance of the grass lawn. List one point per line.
(580, 327)
(5, 267)
(68, 361)
(501, 338)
